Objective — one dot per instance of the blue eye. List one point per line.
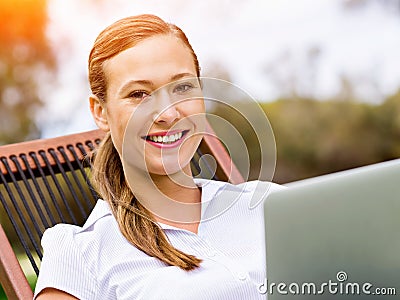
(138, 95)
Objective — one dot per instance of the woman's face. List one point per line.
(154, 106)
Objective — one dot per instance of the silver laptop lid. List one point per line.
(336, 236)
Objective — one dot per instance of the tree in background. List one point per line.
(25, 62)
(321, 137)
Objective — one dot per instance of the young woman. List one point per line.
(157, 233)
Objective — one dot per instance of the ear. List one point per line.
(99, 113)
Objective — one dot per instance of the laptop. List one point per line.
(336, 236)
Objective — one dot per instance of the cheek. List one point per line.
(194, 110)
(117, 138)
(118, 119)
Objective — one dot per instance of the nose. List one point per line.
(167, 116)
(167, 112)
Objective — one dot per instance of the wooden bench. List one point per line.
(45, 182)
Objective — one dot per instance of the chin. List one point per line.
(168, 169)
(163, 169)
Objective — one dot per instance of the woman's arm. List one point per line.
(50, 294)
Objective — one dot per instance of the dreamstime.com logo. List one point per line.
(341, 287)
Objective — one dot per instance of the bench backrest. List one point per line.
(45, 182)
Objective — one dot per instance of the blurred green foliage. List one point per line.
(320, 137)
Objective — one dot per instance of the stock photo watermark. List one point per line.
(341, 286)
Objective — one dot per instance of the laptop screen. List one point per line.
(335, 236)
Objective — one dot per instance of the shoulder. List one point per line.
(214, 186)
(257, 191)
(58, 237)
(74, 242)
(245, 186)
(220, 195)
(67, 233)
(71, 251)
(253, 185)
(63, 238)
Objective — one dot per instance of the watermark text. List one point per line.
(340, 286)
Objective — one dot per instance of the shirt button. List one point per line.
(242, 276)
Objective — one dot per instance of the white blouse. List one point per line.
(96, 261)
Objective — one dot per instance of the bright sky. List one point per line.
(263, 44)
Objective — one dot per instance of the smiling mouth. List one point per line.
(164, 138)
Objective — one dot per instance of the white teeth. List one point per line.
(166, 138)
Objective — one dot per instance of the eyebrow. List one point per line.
(150, 83)
(181, 75)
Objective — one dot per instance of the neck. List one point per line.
(178, 187)
(172, 199)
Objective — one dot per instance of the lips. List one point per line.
(166, 138)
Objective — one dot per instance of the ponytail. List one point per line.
(134, 220)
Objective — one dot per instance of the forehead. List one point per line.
(151, 59)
